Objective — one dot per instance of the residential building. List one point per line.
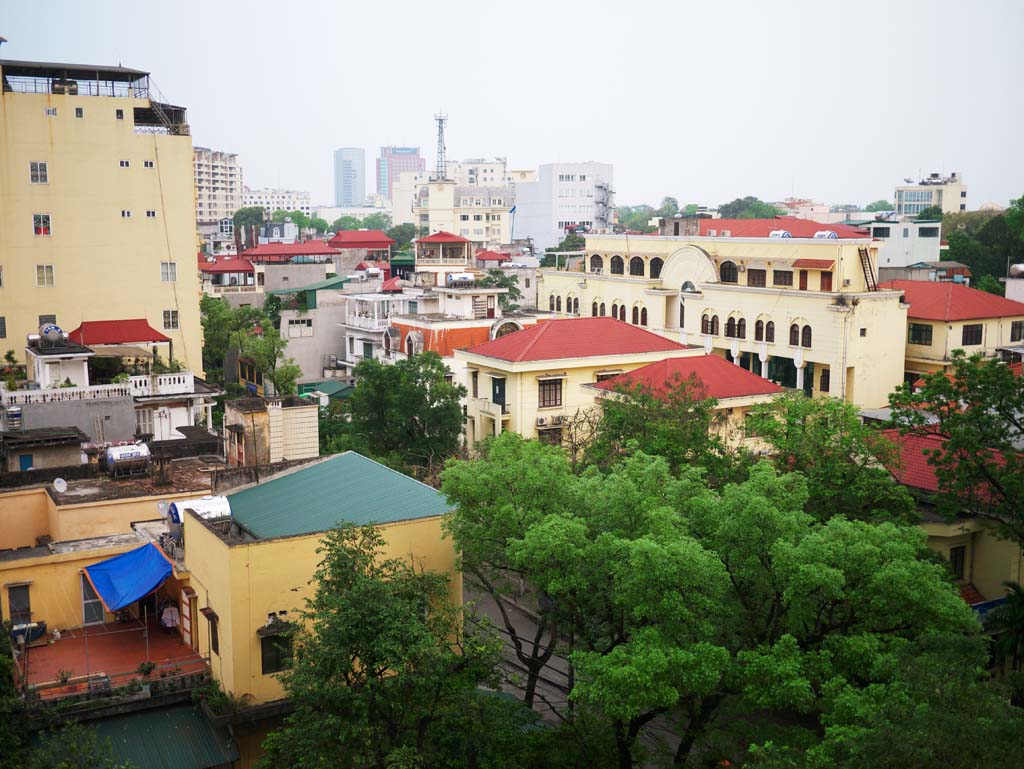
(529, 382)
(947, 192)
(394, 161)
(261, 431)
(349, 176)
(279, 232)
(331, 214)
(41, 448)
(906, 242)
(479, 214)
(271, 200)
(564, 196)
(227, 275)
(356, 246)
(804, 312)
(478, 172)
(942, 317)
(218, 181)
(942, 271)
(803, 208)
(312, 320)
(404, 197)
(97, 204)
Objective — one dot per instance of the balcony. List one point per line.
(489, 408)
(368, 322)
(66, 394)
(163, 384)
(454, 259)
(220, 290)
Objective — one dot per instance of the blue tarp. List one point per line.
(126, 578)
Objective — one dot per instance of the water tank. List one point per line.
(779, 234)
(456, 279)
(51, 332)
(1017, 270)
(207, 507)
(128, 460)
(825, 235)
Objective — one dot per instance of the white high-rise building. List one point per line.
(218, 180)
(277, 200)
(349, 176)
(947, 192)
(564, 196)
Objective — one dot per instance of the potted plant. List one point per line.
(145, 669)
(63, 676)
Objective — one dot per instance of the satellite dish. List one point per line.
(162, 507)
(60, 485)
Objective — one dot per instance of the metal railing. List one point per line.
(367, 322)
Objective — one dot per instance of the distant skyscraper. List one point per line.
(392, 162)
(349, 176)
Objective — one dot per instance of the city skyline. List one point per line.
(816, 100)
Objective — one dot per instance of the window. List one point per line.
(636, 316)
(144, 422)
(728, 273)
(170, 319)
(615, 310)
(44, 276)
(1016, 328)
(463, 217)
(656, 265)
(602, 310)
(928, 232)
(526, 284)
(3, 327)
(551, 303)
(596, 263)
(972, 334)
(551, 436)
(636, 266)
(549, 393)
(214, 635)
(575, 302)
(714, 325)
(622, 313)
(276, 653)
(741, 328)
(617, 265)
(825, 281)
(863, 331)
(769, 331)
(47, 319)
(643, 316)
(593, 310)
(18, 602)
(957, 558)
(147, 164)
(730, 327)
(794, 335)
(705, 324)
(119, 114)
(126, 163)
(126, 213)
(782, 278)
(805, 337)
(150, 214)
(759, 331)
(881, 232)
(478, 218)
(37, 171)
(558, 304)
(474, 378)
(168, 272)
(51, 112)
(757, 278)
(299, 328)
(368, 348)
(79, 112)
(826, 381)
(919, 333)
(41, 224)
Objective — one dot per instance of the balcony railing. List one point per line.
(163, 384)
(135, 387)
(370, 323)
(492, 409)
(218, 290)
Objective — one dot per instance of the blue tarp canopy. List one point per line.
(125, 578)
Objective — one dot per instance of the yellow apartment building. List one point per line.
(804, 312)
(530, 382)
(943, 317)
(476, 212)
(97, 204)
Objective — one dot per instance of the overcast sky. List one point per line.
(705, 101)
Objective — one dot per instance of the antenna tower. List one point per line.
(441, 170)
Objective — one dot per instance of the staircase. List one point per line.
(869, 270)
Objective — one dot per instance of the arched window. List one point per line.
(805, 337)
(794, 335)
(730, 327)
(410, 346)
(656, 265)
(593, 310)
(576, 305)
(643, 316)
(705, 323)
(615, 310)
(728, 273)
(714, 325)
(622, 313)
(602, 310)
(636, 266)
(596, 263)
(558, 304)
(551, 303)
(769, 331)
(617, 265)
(759, 331)
(741, 328)
(636, 316)
(688, 287)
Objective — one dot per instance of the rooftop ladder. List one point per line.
(869, 270)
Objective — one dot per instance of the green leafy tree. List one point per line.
(929, 214)
(279, 215)
(571, 242)
(989, 284)
(636, 217)
(320, 225)
(407, 411)
(379, 221)
(498, 278)
(977, 411)
(843, 459)
(668, 207)
(880, 205)
(1006, 622)
(247, 217)
(402, 234)
(380, 663)
(748, 208)
(345, 223)
(72, 747)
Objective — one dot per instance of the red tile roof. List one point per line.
(442, 237)
(288, 250)
(814, 264)
(717, 377)
(391, 284)
(762, 228)
(116, 332)
(225, 264)
(575, 338)
(971, 594)
(931, 300)
(913, 468)
(491, 256)
(369, 239)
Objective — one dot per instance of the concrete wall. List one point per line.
(281, 276)
(328, 338)
(46, 456)
(114, 417)
(301, 432)
(23, 517)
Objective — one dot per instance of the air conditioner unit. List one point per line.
(541, 421)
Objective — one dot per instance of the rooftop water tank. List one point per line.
(779, 234)
(825, 235)
(128, 460)
(207, 507)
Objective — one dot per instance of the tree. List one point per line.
(669, 207)
(380, 662)
(843, 459)
(72, 747)
(977, 413)
(880, 205)
(1006, 622)
(407, 410)
(989, 284)
(636, 217)
(930, 213)
(402, 234)
(571, 242)
(345, 223)
(280, 215)
(748, 208)
(379, 221)
(498, 278)
(248, 217)
(320, 225)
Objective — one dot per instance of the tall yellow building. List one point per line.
(97, 206)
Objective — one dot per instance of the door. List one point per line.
(92, 608)
(490, 307)
(21, 609)
(367, 349)
(803, 280)
(24, 462)
(498, 391)
(826, 281)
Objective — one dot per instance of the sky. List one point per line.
(703, 101)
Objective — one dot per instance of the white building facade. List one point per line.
(271, 200)
(218, 181)
(349, 176)
(564, 195)
(947, 192)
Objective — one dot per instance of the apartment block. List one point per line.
(947, 192)
(218, 179)
(271, 200)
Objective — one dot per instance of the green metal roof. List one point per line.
(180, 737)
(409, 258)
(320, 285)
(345, 488)
(332, 388)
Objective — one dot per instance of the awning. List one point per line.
(179, 737)
(814, 264)
(125, 578)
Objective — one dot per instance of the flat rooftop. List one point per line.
(127, 539)
(186, 474)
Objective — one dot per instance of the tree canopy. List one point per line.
(748, 208)
(930, 213)
(498, 278)
(247, 217)
(403, 235)
(986, 241)
(880, 205)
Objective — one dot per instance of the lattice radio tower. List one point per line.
(441, 170)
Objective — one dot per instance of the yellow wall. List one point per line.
(948, 336)
(23, 517)
(95, 252)
(246, 582)
(97, 519)
(989, 561)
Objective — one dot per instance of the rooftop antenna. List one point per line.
(441, 170)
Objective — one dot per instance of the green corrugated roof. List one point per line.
(409, 258)
(320, 285)
(345, 488)
(332, 387)
(180, 737)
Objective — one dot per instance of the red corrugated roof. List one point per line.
(491, 256)
(307, 248)
(368, 239)
(717, 377)
(574, 338)
(442, 237)
(814, 264)
(116, 332)
(225, 264)
(762, 228)
(391, 284)
(951, 301)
